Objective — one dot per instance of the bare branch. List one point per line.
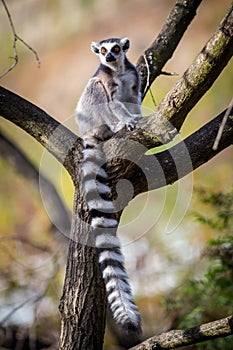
(176, 163)
(16, 308)
(35, 299)
(63, 144)
(221, 128)
(197, 79)
(24, 167)
(56, 138)
(168, 166)
(150, 64)
(15, 39)
(177, 338)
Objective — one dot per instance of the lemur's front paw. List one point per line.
(130, 125)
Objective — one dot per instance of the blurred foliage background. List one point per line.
(166, 249)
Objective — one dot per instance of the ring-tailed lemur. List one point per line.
(110, 101)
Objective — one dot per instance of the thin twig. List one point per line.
(172, 74)
(39, 296)
(148, 74)
(220, 130)
(16, 308)
(31, 49)
(148, 81)
(152, 97)
(16, 38)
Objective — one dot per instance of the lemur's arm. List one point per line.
(123, 114)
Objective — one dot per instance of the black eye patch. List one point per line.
(116, 49)
(103, 50)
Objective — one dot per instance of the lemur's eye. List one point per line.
(103, 50)
(116, 49)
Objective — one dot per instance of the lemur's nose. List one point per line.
(110, 57)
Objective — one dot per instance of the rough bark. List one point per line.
(148, 172)
(194, 83)
(200, 76)
(83, 303)
(68, 145)
(177, 338)
(150, 64)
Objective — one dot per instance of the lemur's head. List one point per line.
(111, 51)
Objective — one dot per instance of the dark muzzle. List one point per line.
(110, 58)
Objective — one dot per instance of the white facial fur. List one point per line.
(96, 48)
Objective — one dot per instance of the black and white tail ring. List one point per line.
(104, 226)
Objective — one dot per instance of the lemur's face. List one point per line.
(111, 51)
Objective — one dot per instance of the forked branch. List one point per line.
(197, 79)
(171, 165)
(67, 147)
(16, 38)
(156, 56)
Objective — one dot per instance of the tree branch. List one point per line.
(188, 155)
(62, 143)
(24, 167)
(16, 38)
(174, 107)
(223, 123)
(178, 338)
(162, 49)
(197, 79)
(56, 138)
(127, 159)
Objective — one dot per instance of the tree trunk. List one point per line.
(83, 300)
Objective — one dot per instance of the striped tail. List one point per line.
(104, 226)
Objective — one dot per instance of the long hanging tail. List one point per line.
(104, 226)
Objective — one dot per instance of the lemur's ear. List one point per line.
(125, 44)
(95, 47)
